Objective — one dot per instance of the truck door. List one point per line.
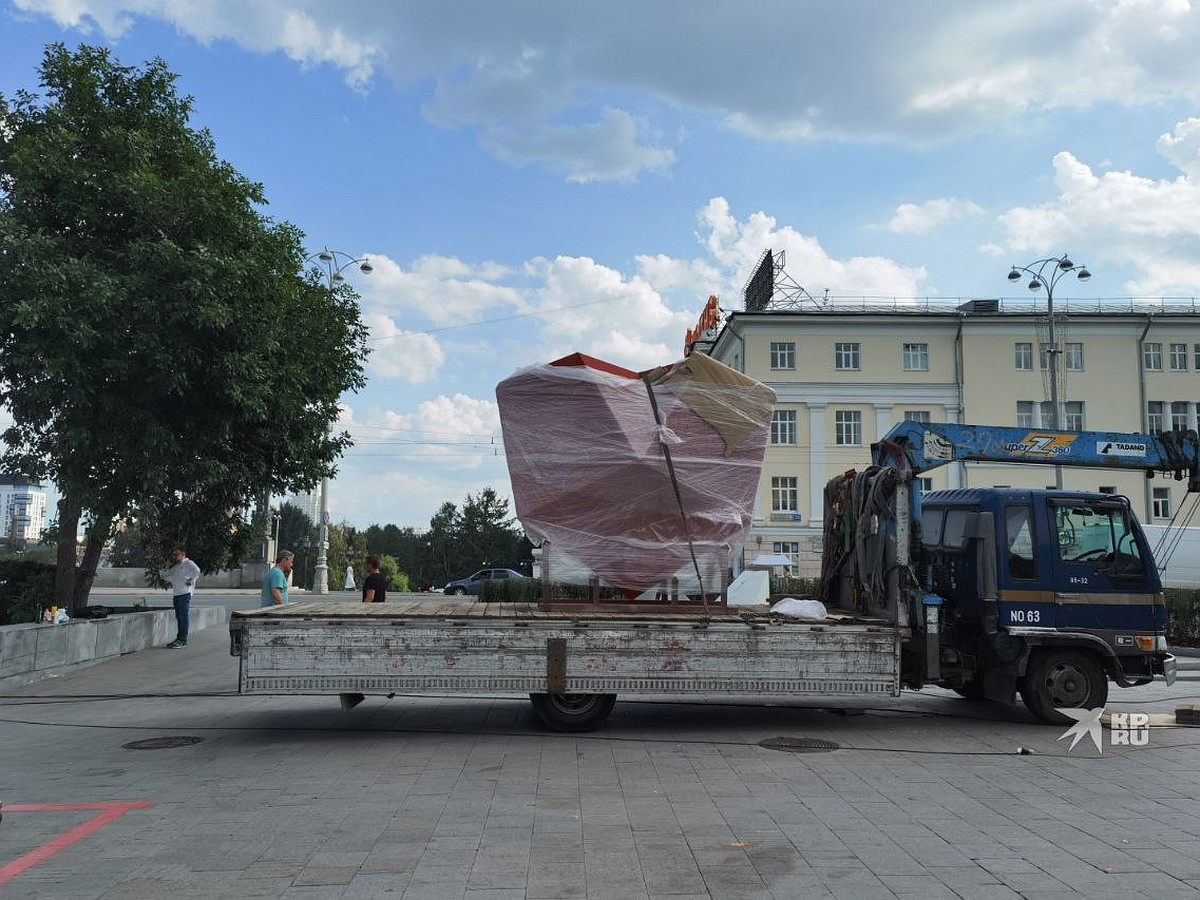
(1026, 597)
(1104, 580)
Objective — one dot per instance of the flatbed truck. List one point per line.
(992, 593)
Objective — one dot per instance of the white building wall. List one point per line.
(309, 504)
(27, 504)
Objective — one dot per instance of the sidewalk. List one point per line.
(443, 797)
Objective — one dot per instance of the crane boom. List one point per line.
(921, 446)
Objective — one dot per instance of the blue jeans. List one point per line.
(183, 606)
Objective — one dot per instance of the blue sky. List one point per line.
(530, 179)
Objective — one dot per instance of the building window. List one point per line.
(1047, 419)
(1073, 415)
(1024, 413)
(848, 428)
(1152, 357)
(1107, 489)
(926, 484)
(1074, 355)
(845, 357)
(1024, 357)
(917, 415)
(1179, 356)
(1162, 503)
(785, 496)
(783, 355)
(1179, 416)
(1044, 355)
(790, 549)
(783, 426)
(1154, 416)
(916, 357)
(1196, 360)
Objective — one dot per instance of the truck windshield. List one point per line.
(1097, 533)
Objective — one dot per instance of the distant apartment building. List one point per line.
(309, 504)
(22, 509)
(844, 375)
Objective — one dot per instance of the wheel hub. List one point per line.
(1066, 687)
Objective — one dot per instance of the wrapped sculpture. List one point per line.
(636, 478)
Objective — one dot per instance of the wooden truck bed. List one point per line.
(350, 647)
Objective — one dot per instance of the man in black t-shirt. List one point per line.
(375, 584)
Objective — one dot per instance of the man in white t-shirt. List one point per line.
(182, 576)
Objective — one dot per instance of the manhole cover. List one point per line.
(798, 745)
(163, 743)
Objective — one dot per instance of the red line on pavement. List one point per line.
(108, 813)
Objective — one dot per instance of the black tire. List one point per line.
(1063, 679)
(458, 592)
(572, 712)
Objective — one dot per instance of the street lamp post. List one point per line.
(334, 262)
(1058, 266)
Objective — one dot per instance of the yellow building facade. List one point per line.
(844, 376)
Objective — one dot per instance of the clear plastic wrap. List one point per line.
(627, 476)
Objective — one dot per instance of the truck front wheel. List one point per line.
(573, 712)
(1062, 679)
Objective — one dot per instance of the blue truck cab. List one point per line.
(1048, 593)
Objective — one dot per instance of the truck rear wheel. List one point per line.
(1063, 679)
(573, 712)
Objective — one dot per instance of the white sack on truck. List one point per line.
(627, 474)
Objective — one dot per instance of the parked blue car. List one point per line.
(470, 584)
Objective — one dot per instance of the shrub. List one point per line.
(26, 586)
(511, 590)
(794, 586)
(1183, 617)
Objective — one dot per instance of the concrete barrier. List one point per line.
(250, 575)
(31, 652)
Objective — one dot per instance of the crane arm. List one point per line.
(921, 446)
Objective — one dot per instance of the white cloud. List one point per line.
(1151, 224)
(540, 82)
(442, 290)
(738, 245)
(597, 310)
(921, 218)
(1182, 147)
(607, 150)
(574, 303)
(458, 430)
(686, 279)
(265, 26)
(407, 355)
(447, 447)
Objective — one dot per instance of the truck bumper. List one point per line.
(1170, 668)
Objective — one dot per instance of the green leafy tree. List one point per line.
(409, 548)
(296, 532)
(347, 547)
(458, 542)
(148, 314)
(294, 526)
(488, 533)
(390, 569)
(128, 547)
(442, 544)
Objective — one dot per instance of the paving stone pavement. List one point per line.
(444, 797)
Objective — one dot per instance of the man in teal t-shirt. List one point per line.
(275, 582)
